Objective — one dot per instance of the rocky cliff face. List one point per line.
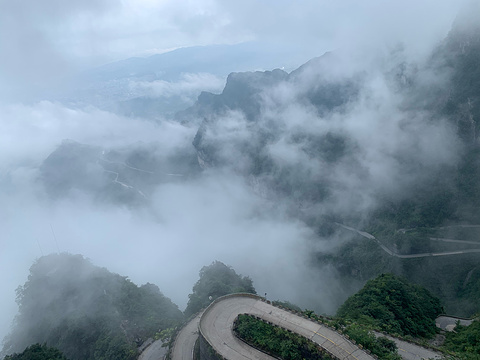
(459, 56)
(242, 92)
(325, 131)
(260, 116)
(240, 120)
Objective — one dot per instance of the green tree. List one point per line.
(38, 352)
(216, 280)
(86, 311)
(392, 304)
(275, 340)
(465, 341)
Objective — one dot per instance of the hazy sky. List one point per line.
(42, 40)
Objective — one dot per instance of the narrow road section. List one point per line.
(185, 340)
(449, 322)
(217, 322)
(216, 326)
(154, 351)
(409, 351)
(412, 256)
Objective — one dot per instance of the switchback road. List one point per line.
(217, 322)
(185, 340)
(411, 256)
(216, 325)
(155, 351)
(409, 351)
(449, 322)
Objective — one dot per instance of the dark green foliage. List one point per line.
(453, 279)
(86, 311)
(276, 341)
(392, 304)
(38, 352)
(216, 280)
(465, 341)
(382, 347)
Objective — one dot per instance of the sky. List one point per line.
(43, 42)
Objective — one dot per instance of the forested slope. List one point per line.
(86, 311)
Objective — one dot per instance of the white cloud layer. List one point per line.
(215, 217)
(41, 42)
(190, 223)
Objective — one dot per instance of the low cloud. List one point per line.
(188, 224)
(217, 215)
(32, 132)
(187, 87)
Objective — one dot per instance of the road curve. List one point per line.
(410, 351)
(412, 256)
(217, 322)
(448, 323)
(185, 340)
(155, 351)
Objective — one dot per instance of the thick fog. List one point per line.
(217, 214)
(190, 223)
(43, 42)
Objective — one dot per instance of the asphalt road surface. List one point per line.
(410, 351)
(449, 322)
(217, 322)
(185, 341)
(411, 256)
(216, 325)
(154, 351)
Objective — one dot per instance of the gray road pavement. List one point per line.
(185, 341)
(412, 256)
(410, 351)
(449, 322)
(217, 322)
(154, 351)
(455, 241)
(216, 325)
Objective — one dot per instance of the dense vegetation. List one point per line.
(216, 280)
(86, 311)
(465, 341)
(38, 352)
(276, 341)
(391, 304)
(382, 347)
(437, 194)
(453, 279)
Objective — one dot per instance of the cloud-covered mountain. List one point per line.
(376, 139)
(160, 85)
(126, 175)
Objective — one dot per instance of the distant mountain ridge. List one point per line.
(380, 149)
(214, 59)
(125, 86)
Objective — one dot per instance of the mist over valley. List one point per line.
(308, 164)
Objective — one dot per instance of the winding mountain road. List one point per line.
(215, 324)
(448, 323)
(155, 351)
(419, 255)
(185, 340)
